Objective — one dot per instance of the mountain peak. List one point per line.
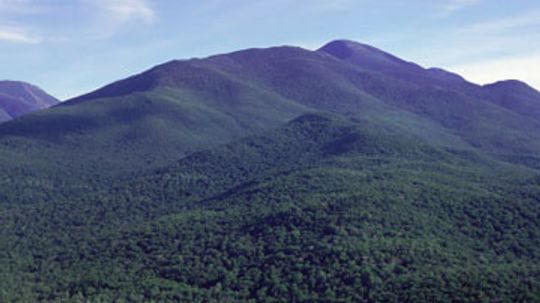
(18, 98)
(23, 90)
(16, 86)
(512, 88)
(510, 84)
(348, 49)
(341, 49)
(371, 58)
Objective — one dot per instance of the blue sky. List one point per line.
(69, 47)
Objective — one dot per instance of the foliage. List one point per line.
(322, 210)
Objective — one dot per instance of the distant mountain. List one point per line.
(19, 98)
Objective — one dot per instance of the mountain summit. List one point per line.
(365, 55)
(516, 96)
(376, 60)
(18, 98)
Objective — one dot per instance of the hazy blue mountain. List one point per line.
(19, 98)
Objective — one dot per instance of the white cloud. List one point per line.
(126, 10)
(453, 6)
(525, 68)
(17, 35)
(110, 16)
(12, 31)
(99, 18)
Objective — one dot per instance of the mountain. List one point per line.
(343, 174)
(185, 106)
(19, 98)
(363, 79)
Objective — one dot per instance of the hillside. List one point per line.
(344, 174)
(324, 209)
(19, 98)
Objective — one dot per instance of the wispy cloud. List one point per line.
(15, 32)
(111, 16)
(453, 6)
(126, 10)
(497, 37)
(17, 35)
(505, 24)
(14, 5)
(22, 7)
(31, 21)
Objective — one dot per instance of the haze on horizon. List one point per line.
(72, 47)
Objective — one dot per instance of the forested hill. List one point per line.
(343, 174)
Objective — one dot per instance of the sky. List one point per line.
(71, 47)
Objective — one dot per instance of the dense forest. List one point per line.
(321, 210)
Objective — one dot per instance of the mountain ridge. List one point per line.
(332, 48)
(183, 106)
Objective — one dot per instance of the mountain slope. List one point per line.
(185, 106)
(364, 80)
(323, 209)
(19, 98)
(181, 107)
(370, 58)
(465, 108)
